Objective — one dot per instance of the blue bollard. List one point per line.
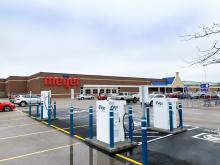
(148, 115)
(49, 115)
(180, 115)
(171, 116)
(37, 110)
(144, 141)
(130, 124)
(111, 122)
(54, 109)
(41, 110)
(90, 122)
(71, 121)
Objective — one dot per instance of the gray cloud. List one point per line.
(97, 37)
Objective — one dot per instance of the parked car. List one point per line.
(153, 96)
(7, 106)
(103, 96)
(84, 97)
(203, 96)
(176, 95)
(196, 95)
(126, 96)
(13, 96)
(24, 100)
(218, 95)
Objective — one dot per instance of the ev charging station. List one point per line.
(45, 101)
(110, 127)
(165, 112)
(161, 118)
(103, 124)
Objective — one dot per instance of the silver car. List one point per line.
(24, 100)
(84, 97)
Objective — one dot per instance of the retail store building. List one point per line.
(61, 84)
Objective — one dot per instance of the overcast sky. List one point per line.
(139, 38)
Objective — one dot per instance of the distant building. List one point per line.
(193, 86)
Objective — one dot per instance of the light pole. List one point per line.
(204, 68)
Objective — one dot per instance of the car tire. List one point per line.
(23, 104)
(82, 98)
(135, 100)
(7, 108)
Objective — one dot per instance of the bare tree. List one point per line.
(209, 56)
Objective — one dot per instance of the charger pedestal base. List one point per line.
(119, 146)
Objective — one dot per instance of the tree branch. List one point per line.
(210, 55)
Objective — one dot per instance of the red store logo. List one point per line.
(61, 81)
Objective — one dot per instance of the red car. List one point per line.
(7, 106)
(102, 97)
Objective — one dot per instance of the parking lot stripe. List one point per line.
(162, 137)
(148, 136)
(129, 159)
(29, 134)
(21, 125)
(20, 118)
(38, 152)
(14, 116)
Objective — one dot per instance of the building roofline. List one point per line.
(106, 76)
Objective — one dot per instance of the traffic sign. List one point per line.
(204, 87)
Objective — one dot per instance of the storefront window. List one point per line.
(88, 91)
(102, 91)
(114, 91)
(108, 90)
(95, 91)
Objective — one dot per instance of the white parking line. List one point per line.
(149, 136)
(162, 137)
(21, 118)
(21, 125)
(38, 152)
(29, 134)
(190, 129)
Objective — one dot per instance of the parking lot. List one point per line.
(36, 142)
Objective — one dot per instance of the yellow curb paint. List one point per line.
(79, 137)
(129, 159)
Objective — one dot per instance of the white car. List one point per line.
(84, 97)
(151, 98)
(24, 100)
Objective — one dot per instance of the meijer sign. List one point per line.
(61, 81)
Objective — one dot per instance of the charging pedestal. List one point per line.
(103, 124)
(45, 101)
(103, 127)
(165, 115)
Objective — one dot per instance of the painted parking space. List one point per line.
(45, 147)
(157, 153)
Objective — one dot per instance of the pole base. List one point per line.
(119, 146)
